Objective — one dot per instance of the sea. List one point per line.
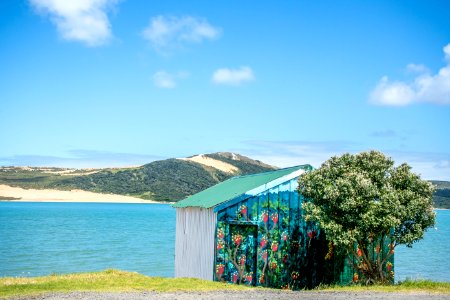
(56, 238)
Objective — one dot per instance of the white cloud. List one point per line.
(425, 88)
(233, 76)
(416, 68)
(79, 20)
(165, 80)
(168, 33)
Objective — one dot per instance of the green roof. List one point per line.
(234, 187)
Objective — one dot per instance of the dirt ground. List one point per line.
(237, 295)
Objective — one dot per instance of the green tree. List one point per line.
(361, 201)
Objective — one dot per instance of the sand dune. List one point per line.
(207, 161)
(65, 196)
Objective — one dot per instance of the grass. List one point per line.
(405, 286)
(109, 280)
(120, 281)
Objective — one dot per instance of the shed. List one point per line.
(250, 230)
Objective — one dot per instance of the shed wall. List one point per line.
(194, 242)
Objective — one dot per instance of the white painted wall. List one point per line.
(194, 242)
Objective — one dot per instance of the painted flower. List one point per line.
(261, 278)
(220, 268)
(264, 255)
(391, 246)
(274, 218)
(220, 245)
(285, 258)
(263, 242)
(234, 277)
(273, 265)
(242, 260)
(284, 236)
(249, 277)
(355, 277)
(237, 239)
(359, 252)
(274, 246)
(312, 234)
(295, 275)
(243, 209)
(264, 216)
(220, 234)
(389, 266)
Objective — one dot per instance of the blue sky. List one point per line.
(96, 83)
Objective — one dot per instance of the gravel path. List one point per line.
(241, 295)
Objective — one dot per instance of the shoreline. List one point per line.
(50, 195)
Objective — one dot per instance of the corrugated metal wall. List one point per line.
(194, 243)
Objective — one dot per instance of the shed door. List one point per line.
(242, 253)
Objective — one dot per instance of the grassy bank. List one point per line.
(119, 281)
(406, 286)
(109, 280)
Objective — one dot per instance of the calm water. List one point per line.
(44, 238)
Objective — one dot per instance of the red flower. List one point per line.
(243, 209)
(261, 278)
(389, 266)
(219, 246)
(220, 269)
(263, 242)
(285, 258)
(359, 252)
(237, 239)
(249, 277)
(264, 217)
(355, 277)
(234, 277)
(274, 246)
(274, 218)
(242, 260)
(284, 236)
(264, 255)
(220, 234)
(312, 234)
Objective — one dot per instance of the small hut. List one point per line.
(250, 230)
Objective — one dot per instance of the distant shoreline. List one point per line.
(18, 194)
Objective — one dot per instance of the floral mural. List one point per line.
(264, 241)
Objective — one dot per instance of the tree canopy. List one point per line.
(361, 201)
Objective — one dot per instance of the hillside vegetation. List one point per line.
(164, 180)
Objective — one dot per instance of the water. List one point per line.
(44, 238)
(427, 259)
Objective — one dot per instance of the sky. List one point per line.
(108, 83)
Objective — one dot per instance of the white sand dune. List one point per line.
(65, 196)
(207, 161)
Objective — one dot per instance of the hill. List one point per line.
(441, 196)
(164, 180)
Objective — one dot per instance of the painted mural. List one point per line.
(264, 241)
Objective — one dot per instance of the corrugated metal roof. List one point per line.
(234, 187)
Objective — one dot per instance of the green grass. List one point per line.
(109, 280)
(120, 281)
(405, 286)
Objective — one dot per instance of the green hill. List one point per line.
(441, 196)
(164, 180)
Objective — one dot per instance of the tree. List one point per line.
(363, 203)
